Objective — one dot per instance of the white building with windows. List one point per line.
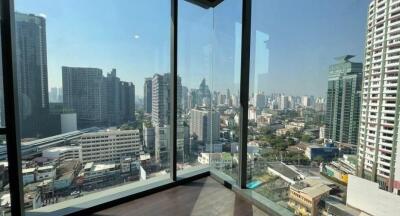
(110, 146)
(377, 157)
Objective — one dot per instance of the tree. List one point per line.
(306, 138)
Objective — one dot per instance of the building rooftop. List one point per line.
(100, 167)
(45, 168)
(284, 170)
(28, 170)
(313, 187)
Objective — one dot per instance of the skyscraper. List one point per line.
(379, 160)
(343, 101)
(161, 97)
(204, 124)
(147, 95)
(284, 102)
(84, 92)
(127, 100)
(260, 100)
(113, 88)
(32, 81)
(161, 116)
(160, 104)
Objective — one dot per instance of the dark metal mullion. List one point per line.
(244, 90)
(11, 108)
(174, 88)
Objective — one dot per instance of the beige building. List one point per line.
(110, 146)
(305, 195)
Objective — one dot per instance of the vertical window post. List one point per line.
(11, 107)
(244, 90)
(174, 88)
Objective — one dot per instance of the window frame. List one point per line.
(11, 107)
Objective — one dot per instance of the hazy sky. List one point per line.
(133, 36)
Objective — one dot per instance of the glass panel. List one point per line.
(302, 75)
(86, 72)
(209, 67)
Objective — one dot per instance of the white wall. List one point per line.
(366, 196)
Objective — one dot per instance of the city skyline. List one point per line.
(138, 51)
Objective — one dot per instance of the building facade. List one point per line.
(110, 146)
(147, 96)
(32, 77)
(343, 101)
(84, 92)
(377, 150)
(204, 125)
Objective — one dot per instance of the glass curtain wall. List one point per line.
(94, 96)
(209, 43)
(304, 102)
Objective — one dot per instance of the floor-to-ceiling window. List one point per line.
(304, 102)
(209, 71)
(94, 94)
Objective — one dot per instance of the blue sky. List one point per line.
(133, 37)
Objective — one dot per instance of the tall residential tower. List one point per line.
(31, 53)
(378, 159)
(343, 101)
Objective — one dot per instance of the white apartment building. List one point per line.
(217, 160)
(63, 153)
(378, 123)
(110, 146)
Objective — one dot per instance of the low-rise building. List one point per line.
(45, 172)
(63, 153)
(264, 119)
(326, 152)
(28, 175)
(216, 160)
(304, 196)
(99, 175)
(366, 196)
(284, 171)
(110, 146)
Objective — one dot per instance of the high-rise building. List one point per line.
(185, 99)
(147, 96)
(260, 100)
(84, 92)
(343, 101)
(305, 101)
(378, 159)
(31, 68)
(55, 95)
(113, 88)
(204, 94)
(161, 97)
(149, 138)
(160, 114)
(204, 124)
(284, 102)
(127, 95)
